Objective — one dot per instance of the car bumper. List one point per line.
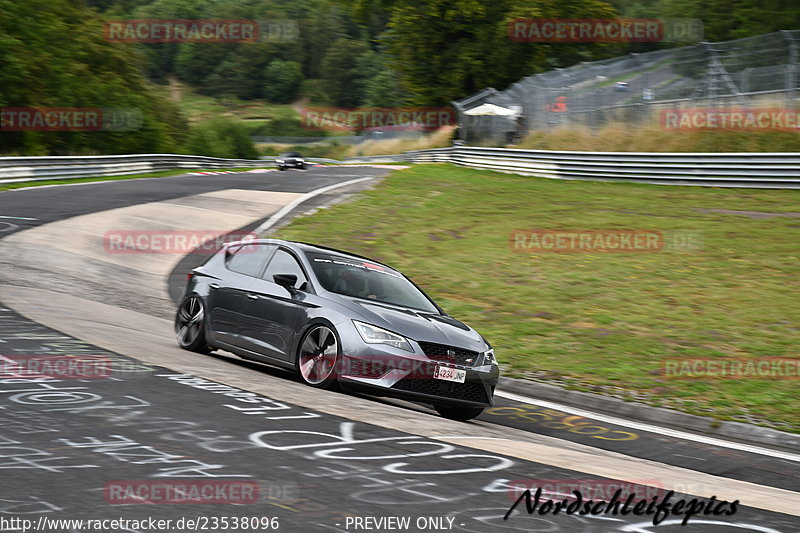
(412, 378)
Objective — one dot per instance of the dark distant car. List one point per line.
(290, 160)
(621, 86)
(337, 319)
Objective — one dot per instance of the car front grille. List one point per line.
(449, 354)
(424, 383)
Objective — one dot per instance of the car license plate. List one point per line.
(450, 374)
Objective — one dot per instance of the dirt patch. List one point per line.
(175, 89)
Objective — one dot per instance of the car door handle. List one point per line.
(213, 285)
(252, 296)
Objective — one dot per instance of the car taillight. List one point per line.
(189, 276)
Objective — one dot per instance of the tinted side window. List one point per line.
(249, 258)
(284, 263)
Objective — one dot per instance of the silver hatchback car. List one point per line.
(338, 320)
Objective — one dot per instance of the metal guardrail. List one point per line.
(348, 139)
(753, 170)
(377, 158)
(20, 169)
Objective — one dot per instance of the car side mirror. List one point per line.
(287, 281)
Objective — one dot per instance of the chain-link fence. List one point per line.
(754, 71)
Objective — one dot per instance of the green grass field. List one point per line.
(601, 322)
(198, 107)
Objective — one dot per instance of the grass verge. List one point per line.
(623, 137)
(597, 322)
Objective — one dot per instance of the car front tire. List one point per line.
(318, 357)
(461, 414)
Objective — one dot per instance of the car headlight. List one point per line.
(488, 357)
(375, 335)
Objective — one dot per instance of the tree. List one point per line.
(319, 32)
(282, 81)
(80, 70)
(240, 73)
(732, 19)
(227, 79)
(221, 137)
(342, 80)
(447, 49)
(384, 90)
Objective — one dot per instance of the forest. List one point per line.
(360, 53)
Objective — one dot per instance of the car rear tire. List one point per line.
(318, 357)
(462, 414)
(281, 168)
(190, 328)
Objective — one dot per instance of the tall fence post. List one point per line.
(791, 69)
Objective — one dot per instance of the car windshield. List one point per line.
(364, 279)
(290, 154)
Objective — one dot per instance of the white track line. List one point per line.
(651, 428)
(285, 210)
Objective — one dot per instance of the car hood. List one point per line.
(418, 325)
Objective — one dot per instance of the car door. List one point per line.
(275, 314)
(228, 296)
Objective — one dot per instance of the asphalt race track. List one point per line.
(279, 454)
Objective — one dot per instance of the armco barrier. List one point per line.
(754, 170)
(19, 169)
(759, 170)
